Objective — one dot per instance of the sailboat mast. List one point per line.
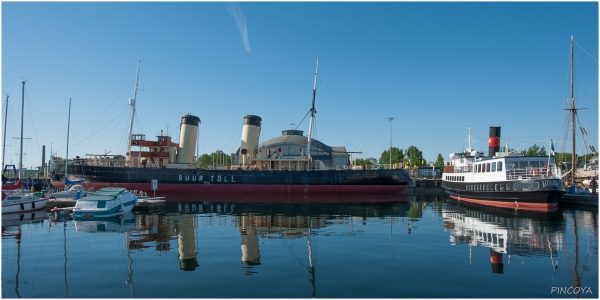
(22, 116)
(67, 155)
(312, 112)
(132, 104)
(573, 113)
(4, 142)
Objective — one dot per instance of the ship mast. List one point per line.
(312, 113)
(132, 104)
(573, 113)
(469, 139)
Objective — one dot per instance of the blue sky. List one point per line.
(436, 67)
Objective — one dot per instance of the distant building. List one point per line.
(424, 172)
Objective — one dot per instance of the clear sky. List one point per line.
(436, 67)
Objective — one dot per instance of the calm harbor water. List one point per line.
(401, 247)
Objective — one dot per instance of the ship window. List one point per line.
(535, 185)
(478, 168)
(502, 187)
(516, 186)
(535, 164)
(525, 185)
(499, 166)
(496, 187)
(101, 204)
(523, 164)
(494, 167)
(488, 167)
(508, 186)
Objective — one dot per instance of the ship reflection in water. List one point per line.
(505, 231)
(364, 246)
(259, 218)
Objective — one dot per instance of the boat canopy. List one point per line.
(69, 182)
(105, 194)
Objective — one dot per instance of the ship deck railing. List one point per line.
(530, 173)
(519, 173)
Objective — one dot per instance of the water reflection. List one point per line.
(259, 219)
(121, 223)
(11, 230)
(215, 243)
(505, 231)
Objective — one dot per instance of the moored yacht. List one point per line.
(503, 179)
(106, 202)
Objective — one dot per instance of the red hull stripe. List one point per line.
(514, 204)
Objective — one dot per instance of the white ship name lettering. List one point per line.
(547, 183)
(200, 178)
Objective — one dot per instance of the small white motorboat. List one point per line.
(105, 202)
(74, 192)
(19, 202)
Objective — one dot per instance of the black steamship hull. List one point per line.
(541, 194)
(216, 182)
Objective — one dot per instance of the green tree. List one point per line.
(535, 150)
(439, 162)
(397, 156)
(365, 161)
(415, 157)
(217, 158)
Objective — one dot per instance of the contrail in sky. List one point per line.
(236, 12)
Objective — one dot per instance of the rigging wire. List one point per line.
(354, 105)
(337, 132)
(97, 118)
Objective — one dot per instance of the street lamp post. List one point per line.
(390, 120)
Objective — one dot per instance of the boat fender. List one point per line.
(533, 172)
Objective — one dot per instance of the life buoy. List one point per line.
(345, 167)
(533, 171)
(153, 165)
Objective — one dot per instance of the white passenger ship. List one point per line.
(503, 179)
